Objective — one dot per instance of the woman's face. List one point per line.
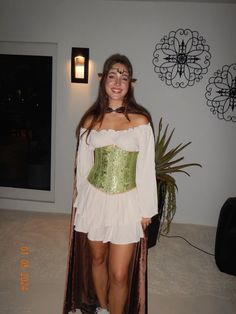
(117, 84)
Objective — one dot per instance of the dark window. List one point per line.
(25, 121)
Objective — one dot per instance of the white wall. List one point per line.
(133, 28)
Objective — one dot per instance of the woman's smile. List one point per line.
(116, 90)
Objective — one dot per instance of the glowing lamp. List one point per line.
(79, 65)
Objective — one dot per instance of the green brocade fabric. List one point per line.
(114, 169)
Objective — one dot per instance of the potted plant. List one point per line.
(166, 164)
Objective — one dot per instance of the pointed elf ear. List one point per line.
(133, 80)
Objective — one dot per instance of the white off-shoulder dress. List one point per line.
(116, 218)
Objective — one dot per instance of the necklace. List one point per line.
(120, 109)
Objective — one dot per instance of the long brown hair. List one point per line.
(97, 111)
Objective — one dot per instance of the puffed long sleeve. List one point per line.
(85, 160)
(145, 173)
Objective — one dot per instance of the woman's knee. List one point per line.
(118, 277)
(98, 260)
(98, 253)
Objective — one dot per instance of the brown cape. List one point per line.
(79, 290)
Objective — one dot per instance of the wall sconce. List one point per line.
(79, 65)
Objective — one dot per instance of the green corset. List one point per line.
(114, 169)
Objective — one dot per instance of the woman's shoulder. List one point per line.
(87, 122)
(138, 119)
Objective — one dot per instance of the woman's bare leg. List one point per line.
(119, 259)
(99, 253)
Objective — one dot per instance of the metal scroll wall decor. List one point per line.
(181, 58)
(221, 93)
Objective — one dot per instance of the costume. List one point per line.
(108, 206)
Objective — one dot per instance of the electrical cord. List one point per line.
(176, 236)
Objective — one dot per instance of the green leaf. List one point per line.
(167, 163)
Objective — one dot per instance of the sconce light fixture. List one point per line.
(79, 65)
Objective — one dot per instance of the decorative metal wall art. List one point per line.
(181, 58)
(221, 93)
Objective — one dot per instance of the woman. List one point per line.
(115, 198)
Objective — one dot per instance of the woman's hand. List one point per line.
(145, 222)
